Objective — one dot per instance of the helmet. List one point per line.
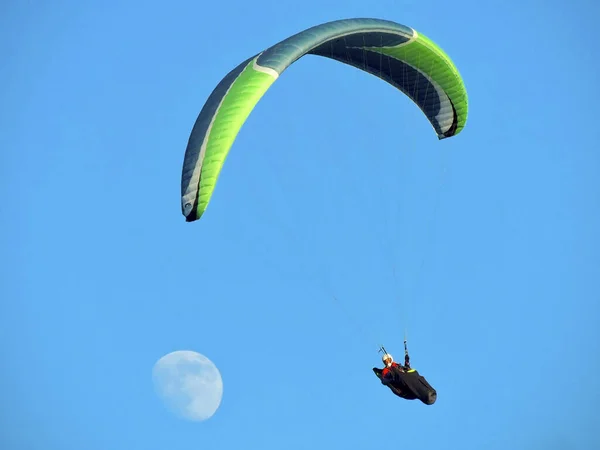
(387, 357)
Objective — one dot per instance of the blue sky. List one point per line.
(483, 247)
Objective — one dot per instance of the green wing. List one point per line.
(395, 53)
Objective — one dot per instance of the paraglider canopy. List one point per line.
(407, 60)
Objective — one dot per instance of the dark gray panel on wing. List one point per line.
(190, 179)
(282, 55)
(399, 74)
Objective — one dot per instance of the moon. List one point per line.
(189, 384)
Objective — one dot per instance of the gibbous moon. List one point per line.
(189, 384)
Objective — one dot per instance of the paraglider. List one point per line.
(403, 380)
(395, 53)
